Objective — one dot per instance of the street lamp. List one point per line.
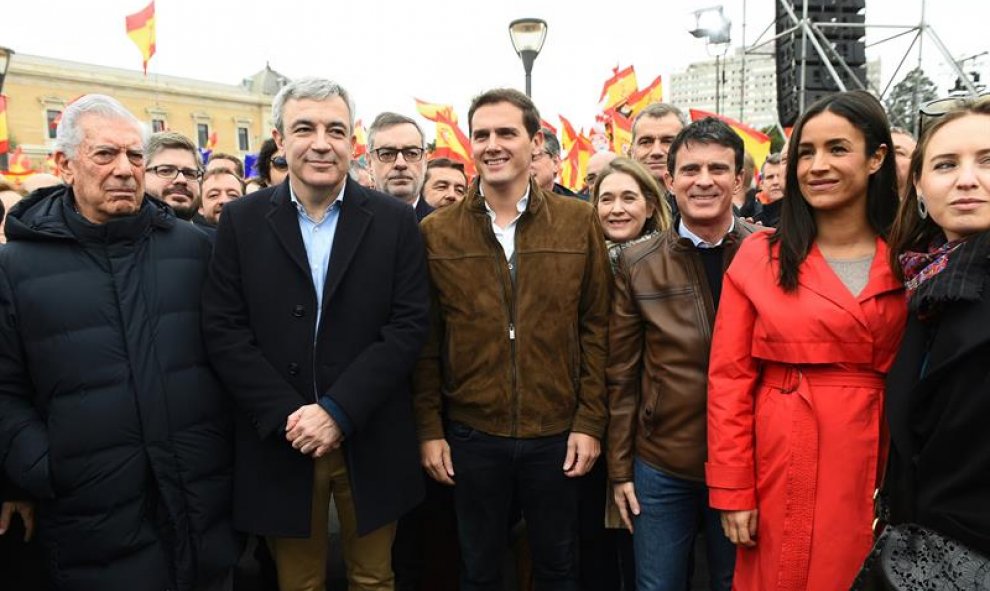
(712, 25)
(5, 55)
(528, 35)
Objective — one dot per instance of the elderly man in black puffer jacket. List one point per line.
(109, 412)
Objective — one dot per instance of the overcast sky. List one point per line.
(387, 51)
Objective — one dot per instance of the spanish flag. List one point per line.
(638, 100)
(141, 30)
(620, 127)
(360, 140)
(618, 87)
(570, 136)
(4, 136)
(452, 143)
(432, 111)
(575, 167)
(757, 143)
(19, 166)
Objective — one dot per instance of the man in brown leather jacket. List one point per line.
(666, 295)
(509, 393)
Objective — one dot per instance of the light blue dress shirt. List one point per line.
(318, 238)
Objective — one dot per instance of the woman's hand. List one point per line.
(740, 527)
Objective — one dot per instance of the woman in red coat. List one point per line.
(809, 322)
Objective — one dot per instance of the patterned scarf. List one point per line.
(920, 267)
(949, 271)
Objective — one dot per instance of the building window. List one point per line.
(157, 125)
(52, 116)
(242, 139)
(202, 134)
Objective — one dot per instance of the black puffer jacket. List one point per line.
(109, 411)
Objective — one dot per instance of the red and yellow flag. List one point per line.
(569, 135)
(141, 30)
(360, 140)
(211, 144)
(575, 166)
(19, 165)
(432, 111)
(757, 143)
(4, 136)
(638, 100)
(620, 127)
(618, 87)
(546, 125)
(452, 143)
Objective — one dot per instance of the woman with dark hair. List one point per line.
(272, 167)
(809, 323)
(938, 390)
(629, 205)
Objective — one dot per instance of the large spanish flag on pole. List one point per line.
(141, 30)
(757, 143)
(4, 136)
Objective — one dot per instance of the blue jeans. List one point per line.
(671, 510)
(492, 474)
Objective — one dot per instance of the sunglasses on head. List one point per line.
(279, 163)
(938, 107)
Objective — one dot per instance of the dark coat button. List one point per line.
(293, 369)
(298, 311)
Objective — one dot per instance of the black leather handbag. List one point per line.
(909, 557)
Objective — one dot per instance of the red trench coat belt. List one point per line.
(802, 483)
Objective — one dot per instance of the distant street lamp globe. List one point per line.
(528, 35)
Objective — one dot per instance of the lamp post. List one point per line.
(528, 35)
(5, 55)
(712, 25)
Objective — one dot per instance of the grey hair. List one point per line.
(69, 135)
(317, 89)
(551, 145)
(659, 111)
(388, 119)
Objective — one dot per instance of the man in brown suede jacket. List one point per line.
(666, 294)
(509, 392)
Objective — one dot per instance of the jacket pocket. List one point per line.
(647, 416)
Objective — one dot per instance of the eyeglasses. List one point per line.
(279, 163)
(106, 155)
(540, 155)
(939, 107)
(388, 155)
(590, 178)
(169, 172)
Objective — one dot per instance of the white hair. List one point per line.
(69, 135)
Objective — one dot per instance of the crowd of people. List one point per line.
(192, 361)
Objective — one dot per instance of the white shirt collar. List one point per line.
(520, 205)
(698, 241)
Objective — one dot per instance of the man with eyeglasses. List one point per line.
(110, 415)
(174, 168)
(398, 148)
(546, 165)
